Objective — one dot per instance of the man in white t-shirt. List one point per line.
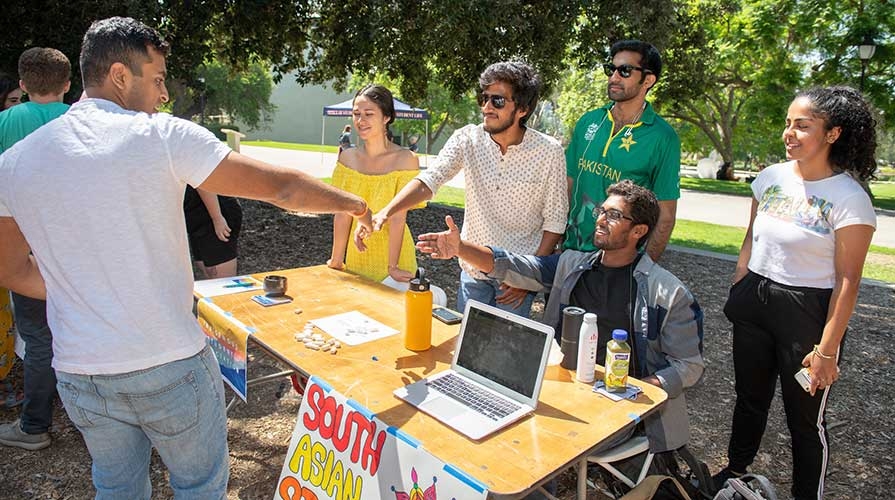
(97, 194)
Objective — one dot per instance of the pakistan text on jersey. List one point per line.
(598, 168)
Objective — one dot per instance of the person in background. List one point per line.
(624, 139)
(376, 170)
(10, 92)
(111, 258)
(797, 278)
(515, 185)
(213, 224)
(10, 95)
(345, 138)
(725, 173)
(46, 76)
(414, 145)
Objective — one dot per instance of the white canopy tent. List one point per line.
(402, 110)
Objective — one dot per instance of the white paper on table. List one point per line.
(226, 286)
(353, 327)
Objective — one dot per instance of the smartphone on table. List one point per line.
(446, 315)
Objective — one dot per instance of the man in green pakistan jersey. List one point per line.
(624, 139)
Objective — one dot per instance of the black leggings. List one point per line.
(774, 327)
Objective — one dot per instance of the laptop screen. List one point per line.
(502, 350)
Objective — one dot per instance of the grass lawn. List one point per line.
(706, 236)
(714, 186)
(316, 148)
(883, 192)
(884, 195)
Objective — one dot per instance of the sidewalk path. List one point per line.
(694, 205)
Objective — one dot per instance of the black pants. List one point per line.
(774, 327)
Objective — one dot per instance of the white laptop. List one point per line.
(495, 376)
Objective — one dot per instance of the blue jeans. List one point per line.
(487, 291)
(40, 379)
(177, 407)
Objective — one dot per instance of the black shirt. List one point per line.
(609, 293)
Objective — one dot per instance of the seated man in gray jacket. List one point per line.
(623, 287)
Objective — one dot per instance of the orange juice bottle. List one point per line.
(418, 313)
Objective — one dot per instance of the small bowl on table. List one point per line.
(274, 286)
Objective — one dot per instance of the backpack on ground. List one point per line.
(690, 472)
(658, 487)
(747, 487)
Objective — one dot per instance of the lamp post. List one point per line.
(202, 100)
(865, 51)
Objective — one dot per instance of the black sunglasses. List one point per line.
(624, 70)
(498, 101)
(612, 215)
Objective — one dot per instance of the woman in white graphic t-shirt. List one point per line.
(797, 277)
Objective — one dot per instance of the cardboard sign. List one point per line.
(228, 338)
(339, 450)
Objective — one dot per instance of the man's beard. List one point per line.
(502, 126)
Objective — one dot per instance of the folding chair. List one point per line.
(637, 445)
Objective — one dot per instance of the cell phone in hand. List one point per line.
(803, 377)
(447, 316)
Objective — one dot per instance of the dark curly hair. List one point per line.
(521, 77)
(642, 204)
(854, 152)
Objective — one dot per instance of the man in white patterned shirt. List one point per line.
(516, 194)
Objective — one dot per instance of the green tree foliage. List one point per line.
(405, 40)
(836, 29)
(242, 95)
(235, 33)
(731, 67)
(578, 92)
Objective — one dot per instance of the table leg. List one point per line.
(582, 479)
(259, 380)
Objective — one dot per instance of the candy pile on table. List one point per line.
(315, 342)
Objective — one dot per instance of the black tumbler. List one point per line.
(572, 317)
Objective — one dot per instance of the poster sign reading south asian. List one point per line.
(340, 451)
(228, 338)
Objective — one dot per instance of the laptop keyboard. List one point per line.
(474, 397)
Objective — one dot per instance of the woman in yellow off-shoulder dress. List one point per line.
(375, 170)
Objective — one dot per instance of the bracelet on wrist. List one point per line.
(819, 354)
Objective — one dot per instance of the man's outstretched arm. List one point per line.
(288, 188)
(18, 269)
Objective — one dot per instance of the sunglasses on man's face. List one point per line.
(624, 70)
(498, 101)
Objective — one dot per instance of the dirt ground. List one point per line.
(860, 412)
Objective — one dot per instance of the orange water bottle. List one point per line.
(418, 313)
